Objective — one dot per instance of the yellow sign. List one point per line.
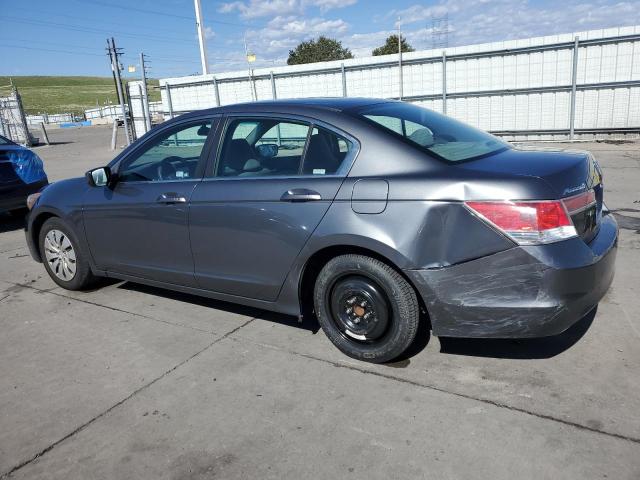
(251, 57)
(132, 68)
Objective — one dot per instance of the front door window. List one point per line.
(172, 155)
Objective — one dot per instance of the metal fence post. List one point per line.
(574, 79)
(274, 93)
(169, 104)
(444, 82)
(114, 134)
(45, 137)
(400, 79)
(344, 80)
(216, 90)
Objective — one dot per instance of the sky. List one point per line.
(68, 37)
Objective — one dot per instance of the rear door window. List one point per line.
(264, 147)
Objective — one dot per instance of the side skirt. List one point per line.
(249, 302)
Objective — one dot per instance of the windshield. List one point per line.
(445, 137)
(5, 141)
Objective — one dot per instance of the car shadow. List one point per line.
(309, 324)
(519, 349)
(10, 223)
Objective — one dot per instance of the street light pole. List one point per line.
(203, 45)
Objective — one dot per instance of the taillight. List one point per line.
(527, 223)
(579, 202)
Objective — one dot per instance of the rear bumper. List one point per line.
(521, 292)
(16, 197)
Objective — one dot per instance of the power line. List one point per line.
(30, 41)
(85, 19)
(77, 28)
(50, 50)
(129, 8)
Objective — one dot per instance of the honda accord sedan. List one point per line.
(372, 215)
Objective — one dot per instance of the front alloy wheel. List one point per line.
(60, 255)
(65, 262)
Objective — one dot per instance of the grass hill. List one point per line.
(65, 94)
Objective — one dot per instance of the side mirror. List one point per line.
(203, 131)
(267, 150)
(99, 177)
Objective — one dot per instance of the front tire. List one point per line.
(65, 262)
(366, 308)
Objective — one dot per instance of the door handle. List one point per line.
(300, 195)
(170, 198)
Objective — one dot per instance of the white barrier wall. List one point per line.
(34, 120)
(519, 88)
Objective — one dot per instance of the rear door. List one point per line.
(272, 182)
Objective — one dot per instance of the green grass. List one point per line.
(42, 94)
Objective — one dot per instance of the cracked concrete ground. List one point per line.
(135, 382)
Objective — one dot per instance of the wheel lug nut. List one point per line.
(363, 304)
(351, 301)
(367, 315)
(349, 310)
(356, 320)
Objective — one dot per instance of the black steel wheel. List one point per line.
(359, 308)
(366, 308)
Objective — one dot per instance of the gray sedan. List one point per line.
(376, 217)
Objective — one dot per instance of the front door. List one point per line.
(269, 189)
(140, 226)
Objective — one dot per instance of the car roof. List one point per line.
(297, 105)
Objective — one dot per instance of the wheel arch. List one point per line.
(319, 258)
(35, 226)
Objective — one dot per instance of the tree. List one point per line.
(321, 50)
(391, 46)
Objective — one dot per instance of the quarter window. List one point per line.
(171, 155)
(326, 153)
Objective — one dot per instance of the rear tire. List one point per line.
(65, 262)
(366, 308)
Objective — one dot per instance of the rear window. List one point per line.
(444, 137)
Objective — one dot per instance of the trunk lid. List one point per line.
(569, 173)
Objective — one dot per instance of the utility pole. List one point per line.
(400, 59)
(145, 96)
(203, 45)
(115, 67)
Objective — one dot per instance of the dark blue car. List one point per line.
(21, 174)
(374, 216)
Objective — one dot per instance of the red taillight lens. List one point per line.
(580, 202)
(527, 223)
